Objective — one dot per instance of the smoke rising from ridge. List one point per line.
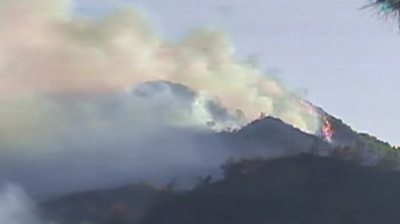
(46, 51)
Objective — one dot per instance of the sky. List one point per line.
(340, 57)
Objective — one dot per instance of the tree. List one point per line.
(385, 8)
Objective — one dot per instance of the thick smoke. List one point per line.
(92, 103)
(16, 207)
(45, 51)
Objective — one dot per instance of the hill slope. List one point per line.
(303, 189)
(125, 204)
(271, 137)
(297, 189)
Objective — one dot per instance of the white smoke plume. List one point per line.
(46, 51)
(16, 207)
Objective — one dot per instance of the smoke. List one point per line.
(16, 207)
(153, 132)
(88, 103)
(46, 51)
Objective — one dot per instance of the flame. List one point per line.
(327, 130)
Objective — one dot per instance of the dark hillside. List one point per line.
(119, 205)
(303, 189)
(271, 137)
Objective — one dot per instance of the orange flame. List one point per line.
(327, 130)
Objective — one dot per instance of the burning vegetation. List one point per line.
(327, 130)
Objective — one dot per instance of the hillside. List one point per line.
(362, 147)
(268, 179)
(271, 137)
(302, 189)
(125, 204)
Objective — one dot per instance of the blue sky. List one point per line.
(346, 58)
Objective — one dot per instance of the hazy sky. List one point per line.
(346, 58)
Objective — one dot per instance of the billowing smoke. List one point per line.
(16, 207)
(93, 102)
(44, 50)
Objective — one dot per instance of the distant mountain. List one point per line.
(272, 137)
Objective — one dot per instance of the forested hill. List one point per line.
(296, 190)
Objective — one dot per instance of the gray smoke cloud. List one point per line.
(16, 207)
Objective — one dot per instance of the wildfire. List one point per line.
(327, 130)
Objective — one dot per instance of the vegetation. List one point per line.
(303, 189)
(113, 206)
